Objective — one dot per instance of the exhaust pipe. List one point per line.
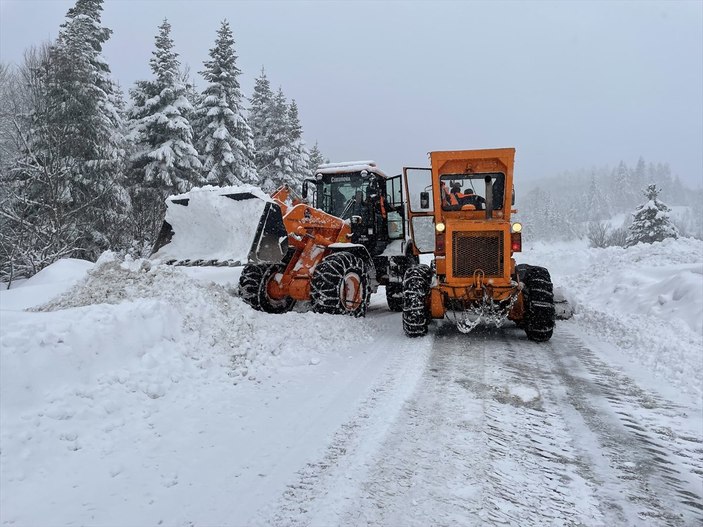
(489, 197)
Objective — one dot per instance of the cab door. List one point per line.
(420, 208)
(395, 208)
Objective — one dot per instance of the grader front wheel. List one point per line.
(416, 287)
(539, 303)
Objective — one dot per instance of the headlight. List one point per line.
(318, 177)
(440, 227)
(517, 227)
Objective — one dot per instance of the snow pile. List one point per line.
(99, 386)
(646, 299)
(133, 331)
(213, 226)
(213, 323)
(44, 285)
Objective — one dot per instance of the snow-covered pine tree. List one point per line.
(164, 160)
(596, 203)
(72, 146)
(269, 118)
(260, 121)
(85, 102)
(625, 196)
(280, 170)
(651, 221)
(315, 159)
(639, 177)
(226, 143)
(300, 157)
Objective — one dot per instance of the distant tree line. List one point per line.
(82, 170)
(584, 203)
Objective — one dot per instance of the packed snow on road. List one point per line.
(133, 393)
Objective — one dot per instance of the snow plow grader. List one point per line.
(459, 210)
(294, 251)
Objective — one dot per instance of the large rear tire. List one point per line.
(340, 285)
(539, 304)
(416, 288)
(253, 288)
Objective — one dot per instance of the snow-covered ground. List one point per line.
(647, 300)
(133, 394)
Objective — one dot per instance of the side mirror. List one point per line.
(513, 203)
(424, 200)
(305, 189)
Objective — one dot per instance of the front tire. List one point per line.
(340, 285)
(416, 288)
(253, 288)
(539, 304)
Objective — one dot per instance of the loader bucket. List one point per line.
(222, 227)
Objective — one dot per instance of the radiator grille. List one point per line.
(477, 250)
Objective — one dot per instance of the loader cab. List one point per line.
(362, 194)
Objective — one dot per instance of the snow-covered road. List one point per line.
(144, 398)
(502, 431)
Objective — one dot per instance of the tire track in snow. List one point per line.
(477, 445)
(322, 484)
(500, 430)
(657, 467)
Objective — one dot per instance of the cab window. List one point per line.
(468, 191)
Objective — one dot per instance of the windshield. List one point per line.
(468, 191)
(336, 193)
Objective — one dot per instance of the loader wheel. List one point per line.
(394, 296)
(416, 288)
(253, 284)
(340, 285)
(539, 304)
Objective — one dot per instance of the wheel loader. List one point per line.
(459, 211)
(372, 203)
(294, 251)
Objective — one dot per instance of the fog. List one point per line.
(570, 85)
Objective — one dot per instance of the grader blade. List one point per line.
(221, 227)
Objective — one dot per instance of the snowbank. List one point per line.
(133, 328)
(99, 386)
(646, 299)
(44, 285)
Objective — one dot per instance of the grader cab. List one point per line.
(459, 210)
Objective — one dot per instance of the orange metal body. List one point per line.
(467, 223)
(310, 232)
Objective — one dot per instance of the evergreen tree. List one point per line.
(69, 176)
(596, 203)
(300, 157)
(270, 120)
(625, 195)
(85, 103)
(164, 161)
(315, 159)
(260, 120)
(226, 142)
(651, 221)
(640, 173)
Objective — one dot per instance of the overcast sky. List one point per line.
(570, 85)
